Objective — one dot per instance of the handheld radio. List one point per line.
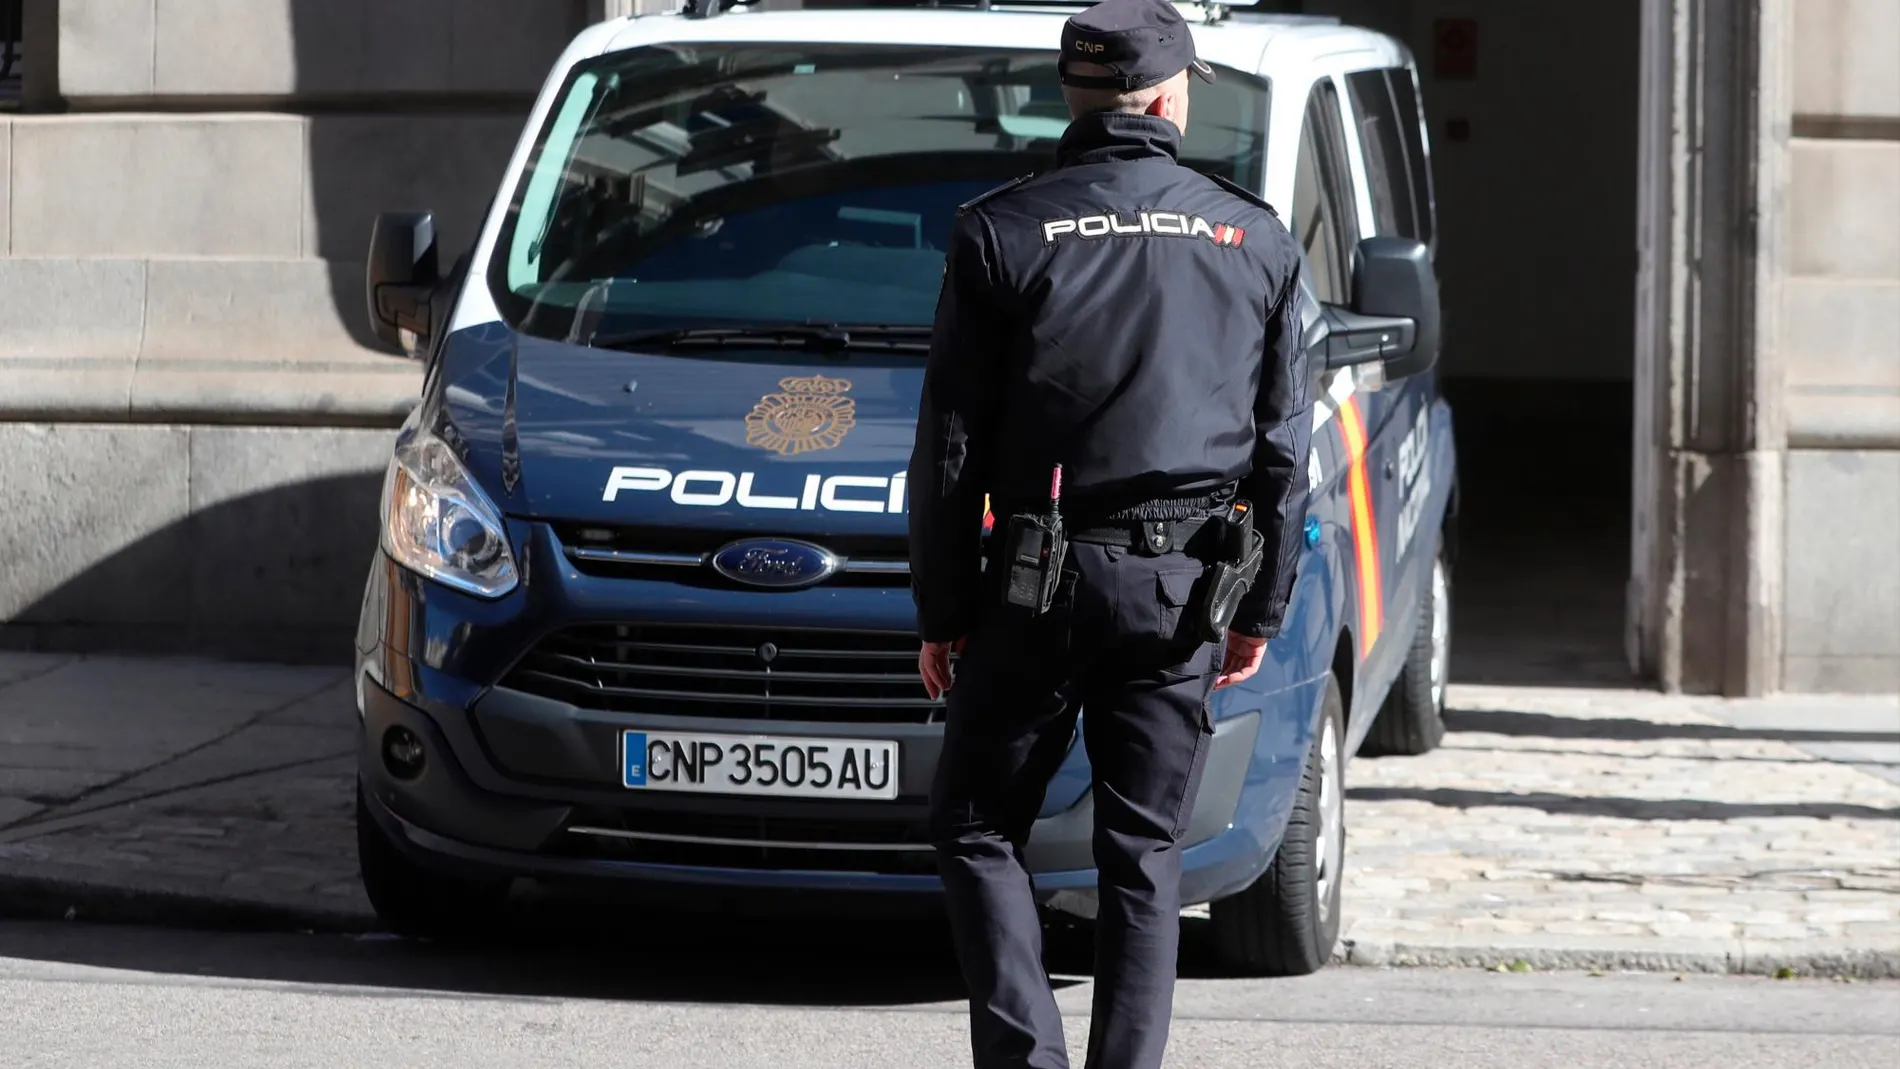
(1034, 550)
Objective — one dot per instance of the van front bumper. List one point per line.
(463, 812)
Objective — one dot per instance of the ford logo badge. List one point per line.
(780, 563)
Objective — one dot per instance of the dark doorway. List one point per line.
(1533, 113)
(1544, 472)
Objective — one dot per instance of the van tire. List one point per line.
(1412, 719)
(1287, 922)
(417, 902)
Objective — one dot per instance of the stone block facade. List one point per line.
(1844, 65)
(134, 52)
(1839, 335)
(194, 414)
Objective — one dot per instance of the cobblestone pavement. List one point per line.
(1637, 828)
(1563, 827)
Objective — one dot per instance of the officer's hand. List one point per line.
(933, 663)
(1242, 660)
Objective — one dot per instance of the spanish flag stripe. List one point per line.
(1365, 531)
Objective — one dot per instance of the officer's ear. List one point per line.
(1171, 102)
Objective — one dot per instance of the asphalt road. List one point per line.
(838, 997)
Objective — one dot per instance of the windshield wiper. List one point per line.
(813, 337)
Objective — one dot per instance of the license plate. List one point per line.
(785, 767)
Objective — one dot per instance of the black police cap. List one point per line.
(1141, 42)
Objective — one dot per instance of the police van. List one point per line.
(641, 612)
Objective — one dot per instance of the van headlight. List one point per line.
(437, 522)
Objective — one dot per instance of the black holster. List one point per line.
(1237, 555)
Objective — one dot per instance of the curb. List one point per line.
(40, 898)
(1860, 963)
(44, 899)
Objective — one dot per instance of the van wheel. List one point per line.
(418, 902)
(1412, 720)
(1287, 922)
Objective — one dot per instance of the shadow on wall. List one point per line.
(276, 575)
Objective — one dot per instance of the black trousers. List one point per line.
(1117, 646)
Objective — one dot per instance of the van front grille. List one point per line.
(684, 555)
(744, 673)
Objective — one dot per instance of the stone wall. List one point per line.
(187, 232)
(1840, 349)
(194, 416)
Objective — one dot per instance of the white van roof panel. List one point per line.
(1237, 43)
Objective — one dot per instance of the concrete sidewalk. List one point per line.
(1560, 827)
(153, 789)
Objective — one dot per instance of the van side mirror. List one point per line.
(1395, 316)
(402, 277)
(1395, 277)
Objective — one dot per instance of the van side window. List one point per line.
(1323, 215)
(1410, 122)
(1393, 207)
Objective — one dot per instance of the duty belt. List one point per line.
(1150, 537)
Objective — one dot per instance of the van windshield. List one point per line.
(730, 185)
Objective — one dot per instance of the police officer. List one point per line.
(1136, 323)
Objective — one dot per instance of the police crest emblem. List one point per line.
(812, 414)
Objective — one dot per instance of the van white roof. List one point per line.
(1241, 42)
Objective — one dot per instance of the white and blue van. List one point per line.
(641, 612)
